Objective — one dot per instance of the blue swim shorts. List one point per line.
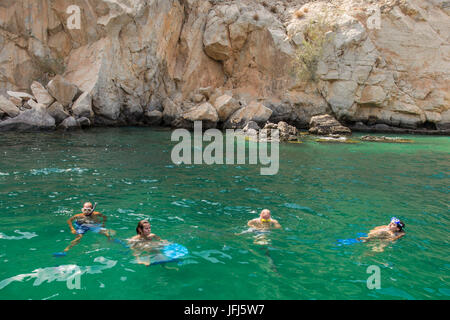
(83, 228)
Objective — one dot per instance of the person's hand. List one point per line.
(73, 231)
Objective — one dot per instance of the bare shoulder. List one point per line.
(134, 239)
(276, 224)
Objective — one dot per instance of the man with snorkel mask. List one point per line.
(393, 231)
(88, 220)
(264, 222)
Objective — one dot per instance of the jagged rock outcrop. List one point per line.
(35, 119)
(384, 62)
(255, 111)
(327, 125)
(41, 94)
(226, 105)
(56, 110)
(7, 108)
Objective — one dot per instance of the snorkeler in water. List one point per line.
(88, 220)
(386, 234)
(264, 222)
(145, 241)
(393, 231)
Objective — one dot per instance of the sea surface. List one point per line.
(323, 192)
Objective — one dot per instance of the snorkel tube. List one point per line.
(93, 209)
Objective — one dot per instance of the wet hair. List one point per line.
(400, 225)
(140, 226)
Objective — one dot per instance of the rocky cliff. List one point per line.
(224, 62)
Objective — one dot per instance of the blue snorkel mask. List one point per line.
(397, 221)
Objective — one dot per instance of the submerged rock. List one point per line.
(336, 138)
(386, 139)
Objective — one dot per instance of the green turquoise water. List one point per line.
(323, 192)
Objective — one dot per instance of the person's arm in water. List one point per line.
(276, 224)
(98, 216)
(69, 222)
(375, 233)
(398, 236)
(253, 223)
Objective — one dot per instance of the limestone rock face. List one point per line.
(383, 71)
(153, 117)
(326, 125)
(41, 94)
(171, 111)
(62, 90)
(35, 119)
(384, 61)
(226, 105)
(82, 107)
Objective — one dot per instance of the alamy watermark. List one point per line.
(74, 19)
(374, 281)
(374, 20)
(190, 149)
(74, 280)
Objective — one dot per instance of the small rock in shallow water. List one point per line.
(68, 124)
(84, 122)
(386, 139)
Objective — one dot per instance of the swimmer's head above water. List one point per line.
(396, 225)
(143, 228)
(265, 215)
(87, 208)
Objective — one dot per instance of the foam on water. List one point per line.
(24, 235)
